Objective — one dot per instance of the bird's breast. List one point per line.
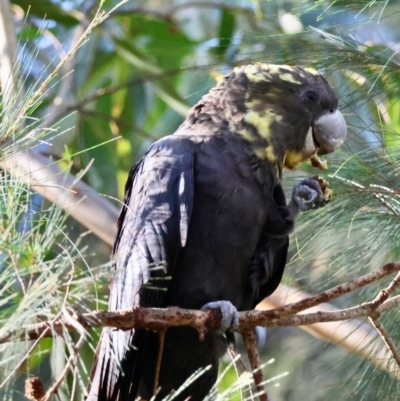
(229, 213)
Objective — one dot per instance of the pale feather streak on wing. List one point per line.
(155, 222)
(153, 227)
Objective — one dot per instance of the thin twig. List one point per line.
(374, 319)
(334, 292)
(354, 335)
(23, 359)
(72, 360)
(82, 103)
(249, 340)
(120, 121)
(16, 270)
(159, 359)
(390, 303)
(385, 293)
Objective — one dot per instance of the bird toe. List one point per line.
(230, 316)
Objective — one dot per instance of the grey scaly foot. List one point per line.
(230, 316)
(306, 195)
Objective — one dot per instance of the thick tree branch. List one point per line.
(9, 74)
(159, 319)
(82, 202)
(171, 12)
(347, 335)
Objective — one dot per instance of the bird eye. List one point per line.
(310, 95)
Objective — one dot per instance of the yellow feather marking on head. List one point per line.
(266, 154)
(289, 78)
(247, 135)
(254, 74)
(260, 153)
(270, 155)
(277, 68)
(312, 71)
(217, 76)
(262, 121)
(265, 72)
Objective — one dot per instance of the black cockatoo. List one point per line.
(205, 222)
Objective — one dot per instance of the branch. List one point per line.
(159, 319)
(82, 103)
(385, 337)
(374, 318)
(332, 293)
(72, 360)
(81, 201)
(249, 341)
(9, 77)
(170, 13)
(352, 335)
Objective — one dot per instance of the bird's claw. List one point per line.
(230, 316)
(307, 194)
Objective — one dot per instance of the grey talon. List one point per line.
(306, 195)
(230, 316)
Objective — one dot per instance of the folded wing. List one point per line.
(152, 229)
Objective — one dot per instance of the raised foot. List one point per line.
(230, 316)
(305, 195)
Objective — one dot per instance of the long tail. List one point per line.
(183, 355)
(108, 364)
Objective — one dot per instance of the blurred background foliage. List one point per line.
(131, 83)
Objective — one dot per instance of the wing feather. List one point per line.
(152, 228)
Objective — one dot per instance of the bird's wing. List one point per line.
(154, 221)
(152, 228)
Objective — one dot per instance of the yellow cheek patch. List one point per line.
(262, 121)
(292, 159)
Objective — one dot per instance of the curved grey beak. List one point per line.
(324, 136)
(329, 132)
